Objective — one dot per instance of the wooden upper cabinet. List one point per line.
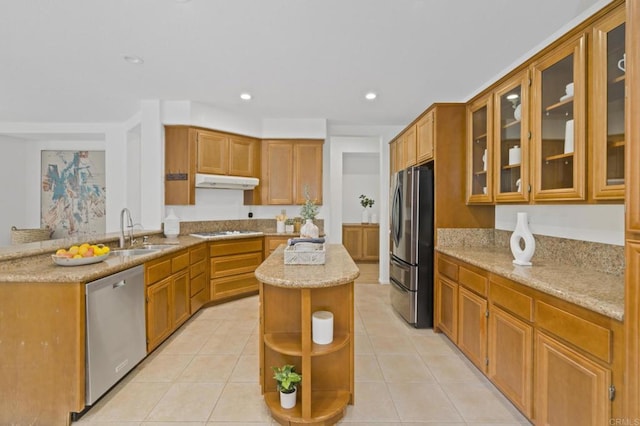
(480, 151)
(392, 157)
(559, 122)
(277, 172)
(213, 153)
(191, 150)
(632, 159)
(608, 106)
(511, 141)
(307, 171)
(424, 135)
(410, 148)
(244, 156)
(288, 167)
(400, 153)
(180, 149)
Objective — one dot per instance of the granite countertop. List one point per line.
(597, 291)
(338, 269)
(31, 263)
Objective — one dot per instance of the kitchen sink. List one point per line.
(157, 246)
(134, 252)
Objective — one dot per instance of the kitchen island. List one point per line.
(289, 295)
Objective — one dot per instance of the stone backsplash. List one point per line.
(268, 226)
(607, 258)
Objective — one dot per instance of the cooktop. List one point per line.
(224, 233)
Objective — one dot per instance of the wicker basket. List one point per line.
(313, 254)
(20, 236)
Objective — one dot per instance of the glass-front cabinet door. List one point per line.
(511, 129)
(558, 123)
(479, 151)
(608, 116)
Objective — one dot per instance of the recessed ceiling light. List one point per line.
(245, 96)
(370, 96)
(134, 60)
(182, 1)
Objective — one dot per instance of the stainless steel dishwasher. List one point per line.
(116, 336)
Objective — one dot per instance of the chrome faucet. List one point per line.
(125, 212)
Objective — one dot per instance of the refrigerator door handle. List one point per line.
(396, 215)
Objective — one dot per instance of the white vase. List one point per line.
(288, 400)
(522, 256)
(365, 215)
(309, 230)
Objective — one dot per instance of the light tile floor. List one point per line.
(207, 374)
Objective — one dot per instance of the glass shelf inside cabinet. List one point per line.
(616, 66)
(557, 146)
(510, 143)
(480, 156)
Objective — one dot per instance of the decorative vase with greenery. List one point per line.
(366, 202)
(308, 212)
(287, 379)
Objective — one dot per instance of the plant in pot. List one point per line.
(366, 202)
(308, 212)
(288, 225)
(287, 379)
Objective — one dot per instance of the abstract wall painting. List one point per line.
(73, 193)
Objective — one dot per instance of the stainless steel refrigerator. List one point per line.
(411, 257)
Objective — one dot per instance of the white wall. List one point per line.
(599, 223)
(13, 188)
(360, 175)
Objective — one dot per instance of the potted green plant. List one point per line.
(287, 379)
(308, 212)
(288, 225)
(366, 202)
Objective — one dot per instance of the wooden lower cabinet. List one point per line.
(555, 361)
(232, 264)
(472, 327)
(570, 388)
(168, 296)
(510, 355)
(362, 241)
(272, 242)
(446, 311)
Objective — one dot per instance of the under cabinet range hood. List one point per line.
(225, 182)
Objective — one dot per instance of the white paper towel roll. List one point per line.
(322, 327)
(568, 137)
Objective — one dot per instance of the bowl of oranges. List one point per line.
(83, 254)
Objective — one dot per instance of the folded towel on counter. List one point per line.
(294, 241)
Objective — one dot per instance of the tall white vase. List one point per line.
(365, 215)
(522, 255)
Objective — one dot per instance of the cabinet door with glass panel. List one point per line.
(511, 128)
(558, 123)
(479, 151)
(608, 116)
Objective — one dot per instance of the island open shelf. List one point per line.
(289, 295)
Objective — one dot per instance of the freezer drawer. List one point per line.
(405, 275)
(404, 302)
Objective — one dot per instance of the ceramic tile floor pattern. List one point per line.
(207, 374)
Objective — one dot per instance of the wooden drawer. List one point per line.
(234, 285)
(157, 270)
(198, 253)
(586, 335)
(198, 300)
(473, 280)
(245, 245)
(179, 262)
(447, 268)
(198, 268)
(511, 300)
(198, 284)
(237, 264)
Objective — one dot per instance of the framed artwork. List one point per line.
(73, 192)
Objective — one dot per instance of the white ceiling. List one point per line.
(62, 61)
